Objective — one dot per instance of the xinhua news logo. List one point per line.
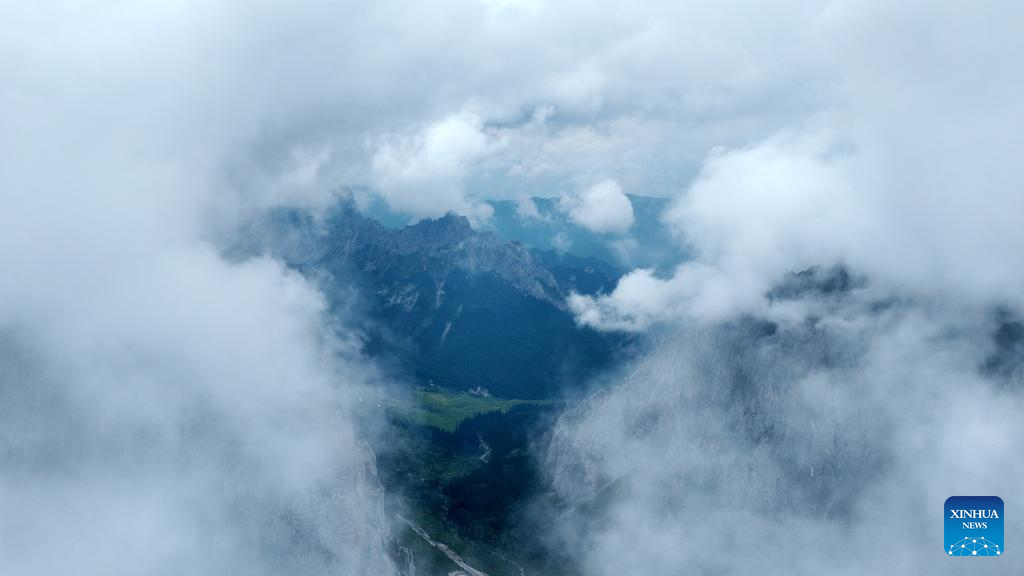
(974, 526)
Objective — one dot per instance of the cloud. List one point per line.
(639, 300)
(526, 210)
(813, 423)
(917, 203)
(602, 208)
(162, 409)
(638, 95)
(182, 413)
(787, 448)
(751, 216)
(423, 174)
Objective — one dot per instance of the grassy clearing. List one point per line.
(446, 410)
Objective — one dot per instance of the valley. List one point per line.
(481, 355)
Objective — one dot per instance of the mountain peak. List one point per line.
(448, 231)
(451, 221)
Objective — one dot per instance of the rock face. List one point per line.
(344, 238)
(445, 303)
(439, 248)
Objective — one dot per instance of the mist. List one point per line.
(163, 409)
(823, 443)
(838, 358)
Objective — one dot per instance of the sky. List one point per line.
(134, 137)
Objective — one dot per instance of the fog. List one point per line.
(163, 410)
(816, 423)
(823, 443)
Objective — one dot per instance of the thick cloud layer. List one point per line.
(180, 414)
(823, 446)
(424, 175)
(432, 107)
(162, 410)
(908, 176)
(815, 424)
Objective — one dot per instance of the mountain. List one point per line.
(541, 224)
(444, 305)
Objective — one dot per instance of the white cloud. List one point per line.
(754, 417)
(804, 435)
(602, 208)
(751, 216)
(526, 209)
(162, 410)
(917, 201)
(639, 300)
(423, 174)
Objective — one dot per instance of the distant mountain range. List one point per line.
(647, 243)
(444, 305)
(545, 226)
